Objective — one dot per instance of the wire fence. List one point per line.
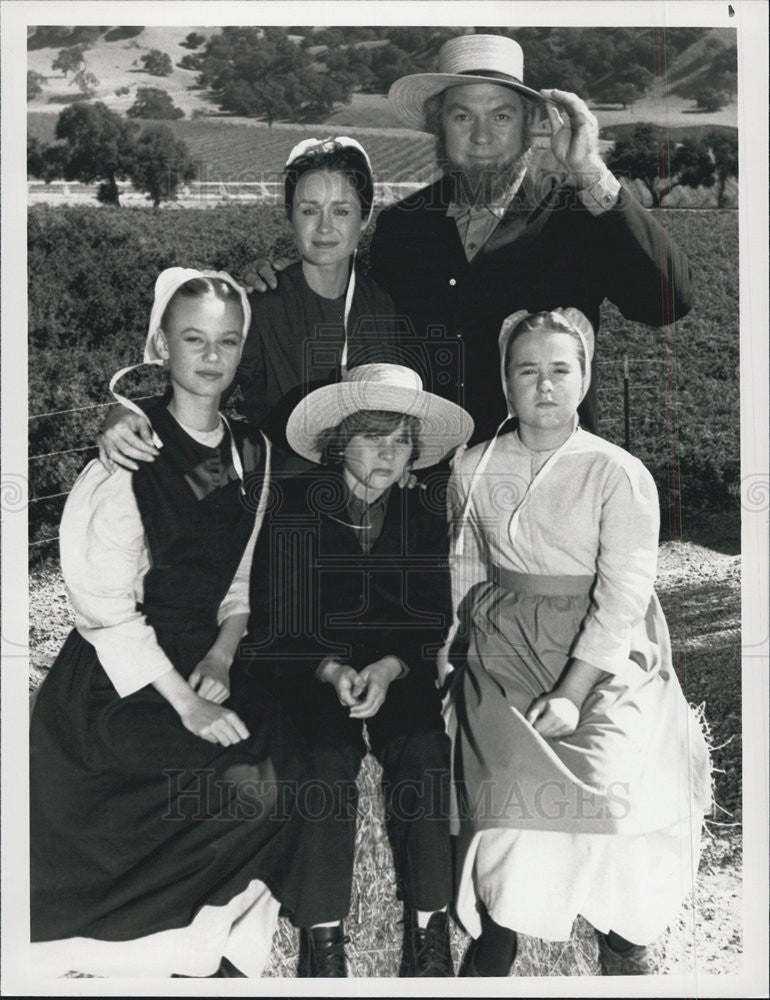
(622, 380)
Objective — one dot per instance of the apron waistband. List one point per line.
(542, 585)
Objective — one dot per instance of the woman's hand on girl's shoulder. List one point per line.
(125, 440)
(261, 275)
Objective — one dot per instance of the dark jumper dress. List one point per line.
(136, 823)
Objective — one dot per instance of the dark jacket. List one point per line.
(314, 593)
(564, 257)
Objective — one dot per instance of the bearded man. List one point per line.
(495, 234)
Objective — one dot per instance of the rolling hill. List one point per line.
(114, 60)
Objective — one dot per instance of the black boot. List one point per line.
(226, 970)
(491, 954)
(322, 953)
(426, 950)
(618, 957)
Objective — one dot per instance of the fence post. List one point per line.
(626, 406)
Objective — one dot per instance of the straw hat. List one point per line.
(443, 425)
(463, 60)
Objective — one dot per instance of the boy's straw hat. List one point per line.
(443, 425)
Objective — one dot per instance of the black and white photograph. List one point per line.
(385, 506)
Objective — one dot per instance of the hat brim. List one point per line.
(409, 94)
(444, 426)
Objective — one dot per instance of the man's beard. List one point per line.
(480, 184)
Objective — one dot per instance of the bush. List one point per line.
(155, 103)
(157, 63)
(193, 40)
(91, 276)
(711, 99)
(35, 83)
(122, 32)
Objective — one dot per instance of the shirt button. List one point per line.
(452, 281)
(472, 246)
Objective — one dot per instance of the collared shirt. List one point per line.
(367, 519)
(477, 223)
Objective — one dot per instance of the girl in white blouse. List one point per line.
(154, 833)
(582, 776)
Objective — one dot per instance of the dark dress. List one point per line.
(137, 823)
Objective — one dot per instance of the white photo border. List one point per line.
(750, 20)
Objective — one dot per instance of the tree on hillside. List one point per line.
(35, 83)
(70, 59)
(710, 99)
(190, 61)
(624, 87)
(265, 74)
(85, 81)
(157, 63)
(160, 163)
(724, 150)
(642, 154)
(44, 162)
(98, 146)
(624, 94)
(349, 65)
(123, 31)
(388, 64)
(193, 41)
(154, 102)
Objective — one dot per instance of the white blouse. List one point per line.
(104, 559)
(590, 509)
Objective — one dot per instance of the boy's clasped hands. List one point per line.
(362, 691)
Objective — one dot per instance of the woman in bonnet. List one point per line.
(582, 776)
(154, 828)
(326, 315)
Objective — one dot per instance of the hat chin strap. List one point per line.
(129, 403)
(346, 315)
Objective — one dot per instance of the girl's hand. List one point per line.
(212, 722)
(376, 678)
(554, 715)
(211, 679)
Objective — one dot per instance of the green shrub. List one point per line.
(91, 278)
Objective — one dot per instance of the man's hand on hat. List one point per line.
(126, 436)
(261, 275)
(575, 137)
